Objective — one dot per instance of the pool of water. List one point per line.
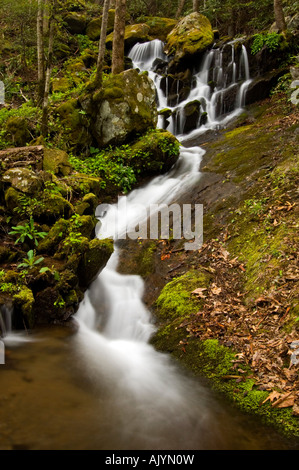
(50, 400)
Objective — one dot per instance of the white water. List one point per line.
(145, 400)
(10, 336)
(211, 69)
(153, 400)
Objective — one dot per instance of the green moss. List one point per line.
(176, 300)
(192, 35)
(24, 301)
(17, 130)
(94, 260)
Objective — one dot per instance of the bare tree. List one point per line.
(119, 37)
(45, 103)
(195, 5)
(40, 51)
(102, 43)
(279, 15)
(180, 8)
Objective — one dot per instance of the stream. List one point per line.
(99, 384)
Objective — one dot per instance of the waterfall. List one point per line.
(9, 336)
(115, 326)
(216, 86)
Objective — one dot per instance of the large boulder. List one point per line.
(190, 37)
(159, 27)
(93, 30)
(124, 107)
(22, 179)
(136, 33)
(56, 161)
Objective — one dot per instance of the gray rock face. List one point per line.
(124, 107)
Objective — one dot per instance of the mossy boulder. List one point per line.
(56, 161)
(56, 233)
(176, 299)
(83, 184)
(87, 205)
(154, 153)
(159, 27)
(93, 30)
(52, 207)
(190, 37)
(17, 130)
(94, 260)
(75, 22)
(60, 85)
(11, 197)
(73, 131)
(23, 305)
(124, 107)
(23, 180)
(133, 34)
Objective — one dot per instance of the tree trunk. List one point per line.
(195, 5)
(180, 8)
(40, 52)
(119, 37)
(47, 79)
(102, 43)
(279, 15)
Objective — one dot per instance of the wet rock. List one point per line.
(261, 86)
(94, 260)
(191, 113)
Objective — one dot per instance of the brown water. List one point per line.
(49, 402)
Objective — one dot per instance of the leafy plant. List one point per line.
(31, 261)
(270, 40)
(27, 231)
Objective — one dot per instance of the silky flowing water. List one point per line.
(99, 384)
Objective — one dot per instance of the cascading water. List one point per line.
(105, 387)
(218, 89)
(158, 405)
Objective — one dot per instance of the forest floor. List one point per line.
(249, 191)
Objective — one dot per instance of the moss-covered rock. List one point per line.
(23, 303)
(93, 30)
(17, 130)
(52, 207)
(56, 233)
(75, 22)
(159, 27)
(154, 153)
(73, 131)
(94, 260)
(87, 205)
(56, 161)
(61, 84)
(83, 184)
(122, 108)
(176, 300)
(190, 37)
(23, 180)
(12, 198)
(133, 34)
